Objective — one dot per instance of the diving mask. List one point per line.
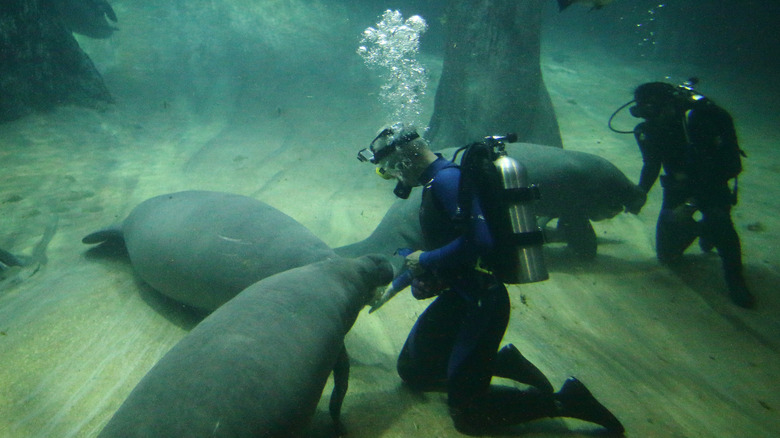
(386, 142)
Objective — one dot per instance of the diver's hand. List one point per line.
(412, 262)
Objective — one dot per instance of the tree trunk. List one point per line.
(491, 81)
(41, 64)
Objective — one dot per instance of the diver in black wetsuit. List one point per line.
(695, 142)
(454, 345)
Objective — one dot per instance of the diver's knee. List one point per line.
(669, 259)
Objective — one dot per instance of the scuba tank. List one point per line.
(522, 260)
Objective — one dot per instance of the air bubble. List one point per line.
(392, 47)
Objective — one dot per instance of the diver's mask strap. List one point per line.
(375, 155)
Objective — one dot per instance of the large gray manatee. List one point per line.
(202, 248)
(575, 187)
(256, 367)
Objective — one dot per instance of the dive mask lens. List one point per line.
(387, 142)
(365, 155)
(383, 145)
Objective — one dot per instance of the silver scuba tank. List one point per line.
(527, 236)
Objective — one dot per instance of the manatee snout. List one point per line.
(609, 207)
(607, 211)
(376, 269)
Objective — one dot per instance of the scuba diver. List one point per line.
(454, 344)
(695, 142)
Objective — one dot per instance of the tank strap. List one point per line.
(479, 268)
(522, 194)
(529, 238)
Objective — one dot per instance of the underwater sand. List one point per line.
(665, 351)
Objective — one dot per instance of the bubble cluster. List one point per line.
(646, 29)
(392, 47)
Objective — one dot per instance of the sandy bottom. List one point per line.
(666, 351)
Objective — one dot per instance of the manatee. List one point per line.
(202, 248)
(575, 187)
(87, 17)
(257, 366)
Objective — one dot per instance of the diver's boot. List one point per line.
(738, 291)
(511, 364)
(500, 407)
(575, 401)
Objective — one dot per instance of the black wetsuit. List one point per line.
(454, 343)
(693, 180)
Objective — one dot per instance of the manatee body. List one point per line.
(575, 184)
(256, 366)
(575, 187)
(202, 248)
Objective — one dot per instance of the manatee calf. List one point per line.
(202, 248)
(575, 187)
(257, 366)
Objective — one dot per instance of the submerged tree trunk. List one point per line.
(491, 81)
(41, 64)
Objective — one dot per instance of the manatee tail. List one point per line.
(112, 234)
(340, 385)
(39, 252)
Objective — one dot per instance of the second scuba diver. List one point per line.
(695, 142)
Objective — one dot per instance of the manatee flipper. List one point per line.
(8, 259)
(340, 385)
(38, 256)
(24, 267)
(112, 234)
(105, 8)
(579, 235)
